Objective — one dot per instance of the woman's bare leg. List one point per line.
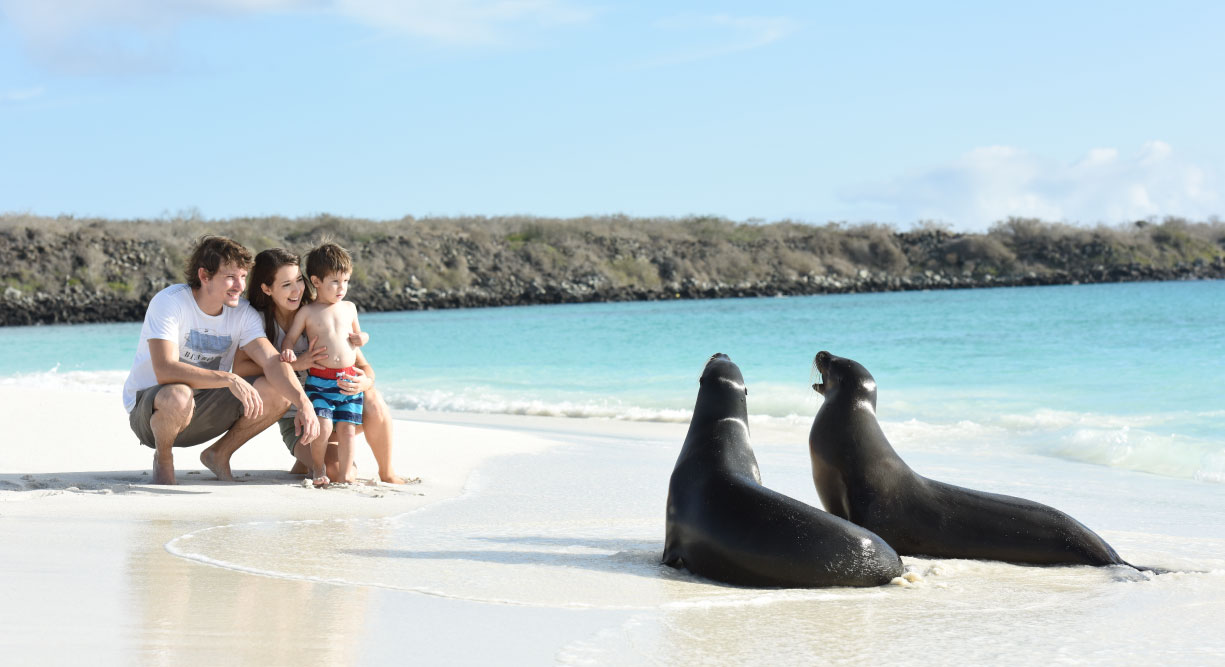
(377, 425)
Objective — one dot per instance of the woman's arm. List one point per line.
(364, 366)
(362, 380)
(314, 356)
(245, 366)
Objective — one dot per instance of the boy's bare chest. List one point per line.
(332, 319)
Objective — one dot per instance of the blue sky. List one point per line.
(964, 113)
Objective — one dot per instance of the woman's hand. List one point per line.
(354, 383)
(314, 357)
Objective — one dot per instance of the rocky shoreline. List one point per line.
(566, 292)
(76, 305)
(107, 272)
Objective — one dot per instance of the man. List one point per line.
(181, 391)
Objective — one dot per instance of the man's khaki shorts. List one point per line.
(215, 413)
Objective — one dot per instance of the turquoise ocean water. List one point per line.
(1125, 375)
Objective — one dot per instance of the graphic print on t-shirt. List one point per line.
(204, 349)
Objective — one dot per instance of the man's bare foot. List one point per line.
(163, 472)
(321, 480)
(220, 468)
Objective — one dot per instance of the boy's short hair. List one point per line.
(210, 253)
(327, 259)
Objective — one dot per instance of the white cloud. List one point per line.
(992, 183)
(117, 36)
(120, 36)
(24, 95)
(720, 35)
(459, 21)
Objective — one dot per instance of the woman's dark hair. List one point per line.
(267, 263)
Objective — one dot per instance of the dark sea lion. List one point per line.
(724, 525)
(859, 477)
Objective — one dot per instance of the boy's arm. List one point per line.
(358, 337)
(169, 370)
(295, 329)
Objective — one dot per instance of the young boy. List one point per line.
(334, 322)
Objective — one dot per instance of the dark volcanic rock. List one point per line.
(56, 271)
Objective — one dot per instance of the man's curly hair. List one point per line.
(210, 253)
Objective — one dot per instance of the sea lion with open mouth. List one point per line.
(859, 477)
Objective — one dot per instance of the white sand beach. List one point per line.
(533, 540)
(86, 575)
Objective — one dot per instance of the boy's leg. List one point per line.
(172, 410)
(344, 458)
(319, 448)
(334, 457)
(303, 462)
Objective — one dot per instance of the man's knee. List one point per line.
(175, 400)
(274, 403)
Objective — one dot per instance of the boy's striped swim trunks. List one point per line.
(324, 393)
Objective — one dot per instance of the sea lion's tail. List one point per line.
(1158, 571)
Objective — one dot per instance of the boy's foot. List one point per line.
(163, 473)
(321, 480)
(333, 473)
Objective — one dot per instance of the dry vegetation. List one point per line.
(443, 262)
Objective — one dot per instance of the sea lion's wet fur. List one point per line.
(860, 477)
(724, 525)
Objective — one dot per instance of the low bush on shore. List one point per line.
(71, 269)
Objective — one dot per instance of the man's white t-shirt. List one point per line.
(205, 341)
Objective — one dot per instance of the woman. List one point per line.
(277, 289)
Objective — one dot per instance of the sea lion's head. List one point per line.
(720, 423)
(839, 373)
(720, 369)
